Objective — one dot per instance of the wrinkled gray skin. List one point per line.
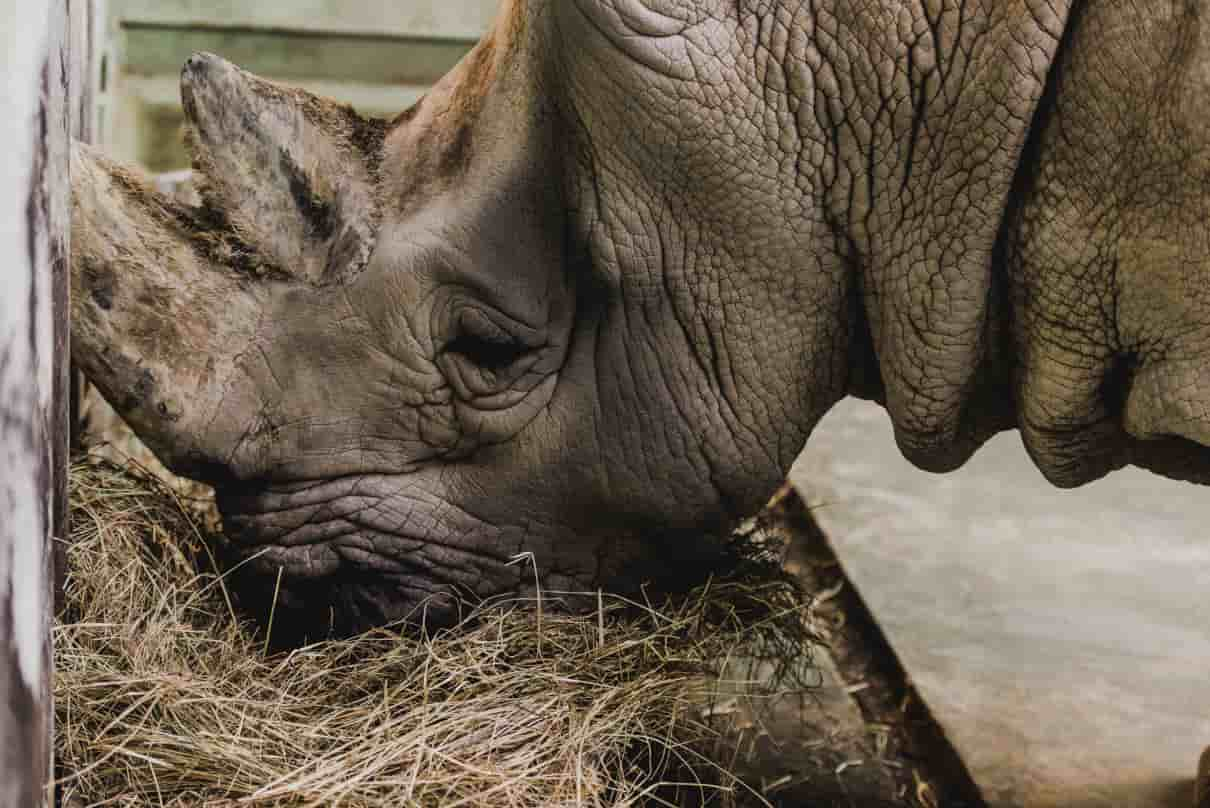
(590, 296)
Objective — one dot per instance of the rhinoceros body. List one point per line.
(588, 299)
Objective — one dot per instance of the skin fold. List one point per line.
(589, 297)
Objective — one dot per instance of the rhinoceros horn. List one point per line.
(166, 297)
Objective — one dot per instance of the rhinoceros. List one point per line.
(585, 301)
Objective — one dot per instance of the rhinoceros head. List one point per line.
(587, 299)
(407, 353)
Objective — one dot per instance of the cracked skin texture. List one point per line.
(588, 299)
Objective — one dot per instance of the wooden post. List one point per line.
(39, 70)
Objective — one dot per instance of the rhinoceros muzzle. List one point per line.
(369, 549)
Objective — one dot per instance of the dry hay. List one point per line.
(165, 697)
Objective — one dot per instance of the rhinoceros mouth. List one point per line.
(344, 555)
(347, 554)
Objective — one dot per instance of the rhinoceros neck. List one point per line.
(922, 143)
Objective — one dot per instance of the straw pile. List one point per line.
(164, 695)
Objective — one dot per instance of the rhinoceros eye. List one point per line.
(485, 344)
(491, 354)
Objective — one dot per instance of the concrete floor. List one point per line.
(1062, 637)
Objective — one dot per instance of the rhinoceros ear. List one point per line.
(293, 173)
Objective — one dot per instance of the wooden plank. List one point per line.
(453, 19)
(37, 65)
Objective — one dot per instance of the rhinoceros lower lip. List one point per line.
(300, 610)
(370, 526)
